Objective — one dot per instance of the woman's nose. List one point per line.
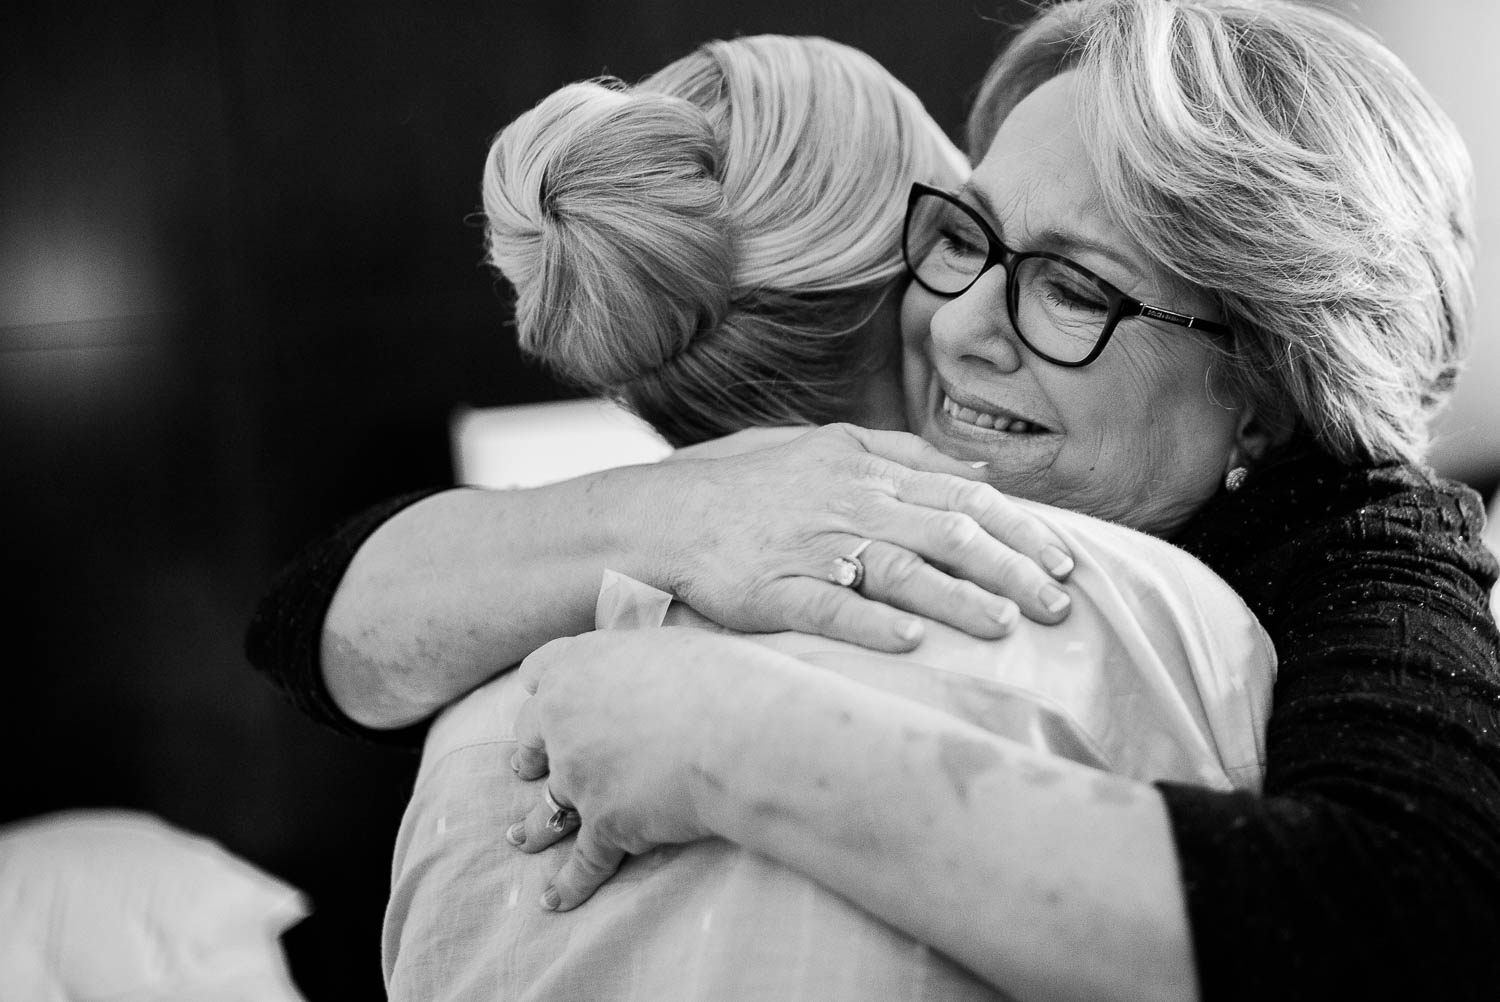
(976, 325)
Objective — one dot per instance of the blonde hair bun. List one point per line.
(709, 246)
(606, 212)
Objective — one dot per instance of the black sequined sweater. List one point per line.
(1369, 868)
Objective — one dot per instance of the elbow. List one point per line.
(370, 693)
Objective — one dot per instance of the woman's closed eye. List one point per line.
(1065, 293)
(960, 244)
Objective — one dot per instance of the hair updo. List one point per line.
(707, 245)
(1281, 158)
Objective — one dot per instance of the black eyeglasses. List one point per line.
(1060, 310)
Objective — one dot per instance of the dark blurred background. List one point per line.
(240, 294)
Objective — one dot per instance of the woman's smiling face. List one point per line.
(1137, 436)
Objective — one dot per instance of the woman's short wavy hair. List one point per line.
(1281, 158)
(707, 245)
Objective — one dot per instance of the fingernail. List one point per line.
(981, 464)
(909, 629)
(551, 899)
(1006, 614)
(515, 762)
(516, 833)
(1056, 561)
(1054, 599)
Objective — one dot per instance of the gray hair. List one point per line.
(1284, 160)
(707, 245)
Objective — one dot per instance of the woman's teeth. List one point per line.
(979, 419)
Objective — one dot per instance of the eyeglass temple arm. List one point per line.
(1154, 313)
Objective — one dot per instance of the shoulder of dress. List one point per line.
(1309, 514)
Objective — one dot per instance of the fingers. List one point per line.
(898, 577)
(997, 514)
(977, 533)
(952, 519)
(542, 827)
(530, 758)
(897, 582)
(592, 862)
(829, 610)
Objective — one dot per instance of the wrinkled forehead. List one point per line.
(1038, 176)
(1039, 187)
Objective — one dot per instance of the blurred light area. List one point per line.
(1450, 45)
(57, 270)
(93, 180)
(534, 444)
(84, 288)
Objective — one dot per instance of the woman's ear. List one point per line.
(1254, 438)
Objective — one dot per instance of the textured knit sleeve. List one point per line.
(285, 636)
(1370, 867)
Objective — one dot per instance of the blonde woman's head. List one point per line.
(708, 245)
(1280, 158)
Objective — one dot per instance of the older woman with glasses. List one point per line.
(1262, 166)
(1159, 672)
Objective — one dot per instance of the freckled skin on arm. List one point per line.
(1049, 879)
(964, 759)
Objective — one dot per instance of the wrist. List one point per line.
(788, 750)
(649, 516)
(731, 751)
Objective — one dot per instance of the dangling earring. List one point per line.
(1235, 478)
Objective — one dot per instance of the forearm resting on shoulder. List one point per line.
(462, 585)
(1048, 879)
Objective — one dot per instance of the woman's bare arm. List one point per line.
(466, 583)
(1048, 879)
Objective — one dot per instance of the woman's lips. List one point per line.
(989, 419)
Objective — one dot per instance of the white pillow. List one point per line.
(117, 906)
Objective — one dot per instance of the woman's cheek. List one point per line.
(917, 307)
(1165, 474)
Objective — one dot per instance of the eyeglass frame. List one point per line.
(1121, 306)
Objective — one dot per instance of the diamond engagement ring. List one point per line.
(563, 815)
(849, 572)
